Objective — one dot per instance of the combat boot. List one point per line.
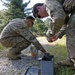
(66, 62)
(13, 56)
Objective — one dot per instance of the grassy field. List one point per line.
(58, 49)
(60, 53)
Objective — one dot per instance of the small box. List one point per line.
(32, 71)
(47, 65)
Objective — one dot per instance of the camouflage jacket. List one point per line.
(54, 9)
(18, 27)
(58, 14)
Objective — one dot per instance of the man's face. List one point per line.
(30, 22)
(41, 12)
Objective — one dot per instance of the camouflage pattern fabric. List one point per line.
(17, 35)
(70, 37)
(49, 32)
(55, 10)
(69, 5)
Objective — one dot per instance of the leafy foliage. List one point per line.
(39, 27)
(3, 19)
(15, 9)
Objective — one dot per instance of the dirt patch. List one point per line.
(19, 67)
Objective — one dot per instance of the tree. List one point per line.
(3, 19)
(15, 9)
(40, 26)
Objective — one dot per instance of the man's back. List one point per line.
(12, 28)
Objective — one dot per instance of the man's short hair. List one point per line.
(35, 10)
(30, 17)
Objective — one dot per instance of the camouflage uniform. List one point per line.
(17, 35)
(59, 13)
(58, 16)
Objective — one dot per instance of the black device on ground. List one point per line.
(47, 65)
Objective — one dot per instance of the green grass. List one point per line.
(1, 47)
(58, 49)
(59, 52)
(64, 71)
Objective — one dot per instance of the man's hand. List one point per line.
(53, 38)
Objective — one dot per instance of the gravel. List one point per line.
(18, 67)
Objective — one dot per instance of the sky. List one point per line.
(30, 4)
(1, 6)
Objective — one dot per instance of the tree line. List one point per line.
(18, 9)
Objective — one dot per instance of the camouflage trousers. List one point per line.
(70, 37)
(17, 44)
